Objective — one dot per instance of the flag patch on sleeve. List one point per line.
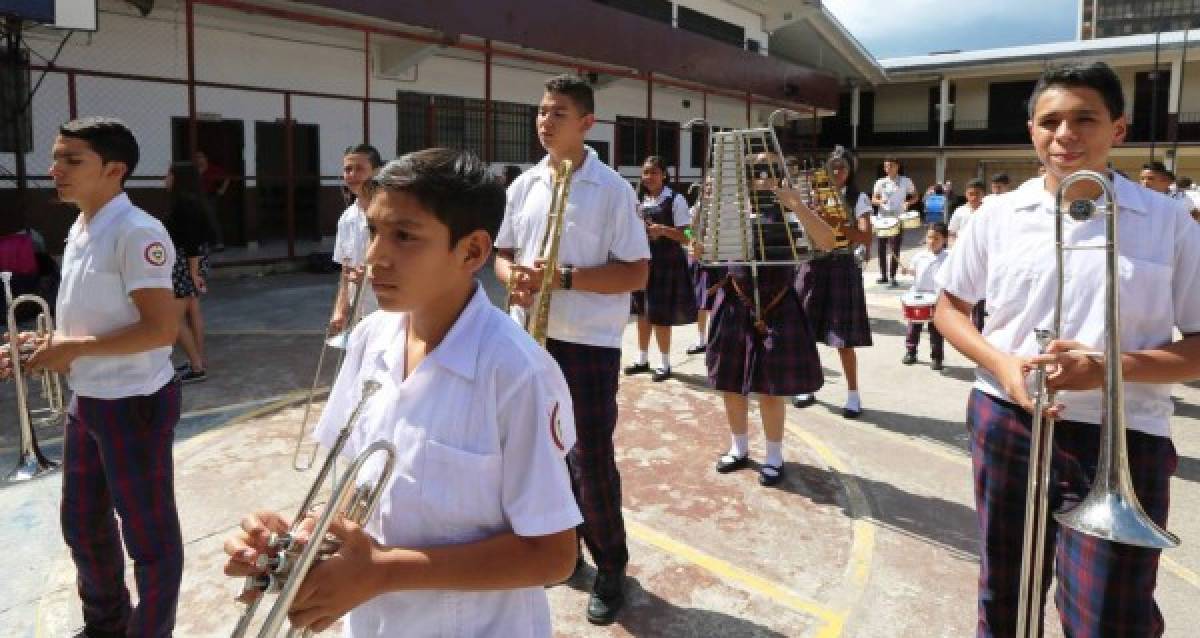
(155, 253)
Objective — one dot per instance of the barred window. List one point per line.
(631, 133)
(427, 120)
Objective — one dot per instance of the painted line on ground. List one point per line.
(730, 574)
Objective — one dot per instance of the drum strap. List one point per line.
(760, 322)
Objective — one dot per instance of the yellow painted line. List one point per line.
(1185, 574)
(731, 574)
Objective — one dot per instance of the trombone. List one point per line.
(1111, 510)
(338, 341)
(536, 319)
(31, 460)
(289, 557)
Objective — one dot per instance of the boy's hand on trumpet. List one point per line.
(340, 582)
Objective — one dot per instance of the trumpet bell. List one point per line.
(1117, 517)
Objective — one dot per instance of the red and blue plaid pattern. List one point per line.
(117, 458)
(740, 359)
(1105, 589)
(831, 289)
(591, 373)
(705, 278)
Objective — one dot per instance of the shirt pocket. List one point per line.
(461, 492)
(1014, 286)
(1145, 296)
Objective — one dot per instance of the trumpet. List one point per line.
(301, 462)
(289, 558)
(31, 460)
(536, 319)
(1111, 510)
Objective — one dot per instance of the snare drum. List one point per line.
(886, 226)
(918, 306)
(910, 220)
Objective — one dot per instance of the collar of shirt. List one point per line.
(664, 195)
(105, 217)
(458, 350)
(587, 172)
(1033, 195)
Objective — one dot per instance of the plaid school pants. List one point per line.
(591, 373)
(117, 458)
(1104, 589)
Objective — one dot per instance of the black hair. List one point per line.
(1097, 76)
(1156, 167)
(852, 190)
(937, 188)
(940, 228)
(1184, 183)
(975, 182)
(575, 88)
(1001, 178)
(455, 186)
(657, 162)
(371, 152)
(108, 137)
(893, 159)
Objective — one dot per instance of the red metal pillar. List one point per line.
(72, 96)
(366, 135)
(193, 127)
(649, 137)
(289, 149)
(816, 138)
(749, 105)
(487, 102)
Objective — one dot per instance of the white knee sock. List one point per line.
(740, 445)
(774, 453)
(853, 402)
(643, 357)
(665, 358)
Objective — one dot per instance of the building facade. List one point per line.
(1111, 18)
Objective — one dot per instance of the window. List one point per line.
(658, 10)
(631, 136)
(458, 122)
(702, 146)
(714, 28)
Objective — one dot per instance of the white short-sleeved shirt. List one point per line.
(1007, 257)
(482, 428)
(680, 212)
(926, 265)
(894, 193)
(962, 218)
(122, 249)
(862, 206)
(602, 226)
(350, 249)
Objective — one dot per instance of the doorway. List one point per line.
(223, 142)
(272, 171)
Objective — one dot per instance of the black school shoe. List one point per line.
(637, 368)
(769, 475)
(608, 596)
(728, 463)
(697, 349)
(804, 401)
(909, 358)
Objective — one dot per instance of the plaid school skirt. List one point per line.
(703, 279)
(668, 299)
(831, 289)
(740, 359)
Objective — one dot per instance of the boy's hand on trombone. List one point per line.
(341, 581)
(1013, 377)
(1070, 365)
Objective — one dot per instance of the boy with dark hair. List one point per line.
(893, 194)
(359, 163)
(604, 255)
(1104, 589)
(117, 319)
(1157, 177)
(479, 513)
(1000, 183)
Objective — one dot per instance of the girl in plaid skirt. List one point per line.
(765, 348)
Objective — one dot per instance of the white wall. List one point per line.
(901, 104)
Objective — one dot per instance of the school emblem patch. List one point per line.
(155, 254)
(556, 428)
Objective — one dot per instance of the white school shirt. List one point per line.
(961, 219)
(926, 265)
(122, 249)
(894, 193)
(481, 428)
(862, 206)
(350, 249)
(602, 225)
(1008, 258)
(680, 212)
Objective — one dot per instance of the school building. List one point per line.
(961, 115)
(273, 91)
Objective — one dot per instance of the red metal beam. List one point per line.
(648, 137)
(488, 153)
(289, 148)
(366, 103)
(190, 27)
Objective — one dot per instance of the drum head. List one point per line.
(917, 298)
